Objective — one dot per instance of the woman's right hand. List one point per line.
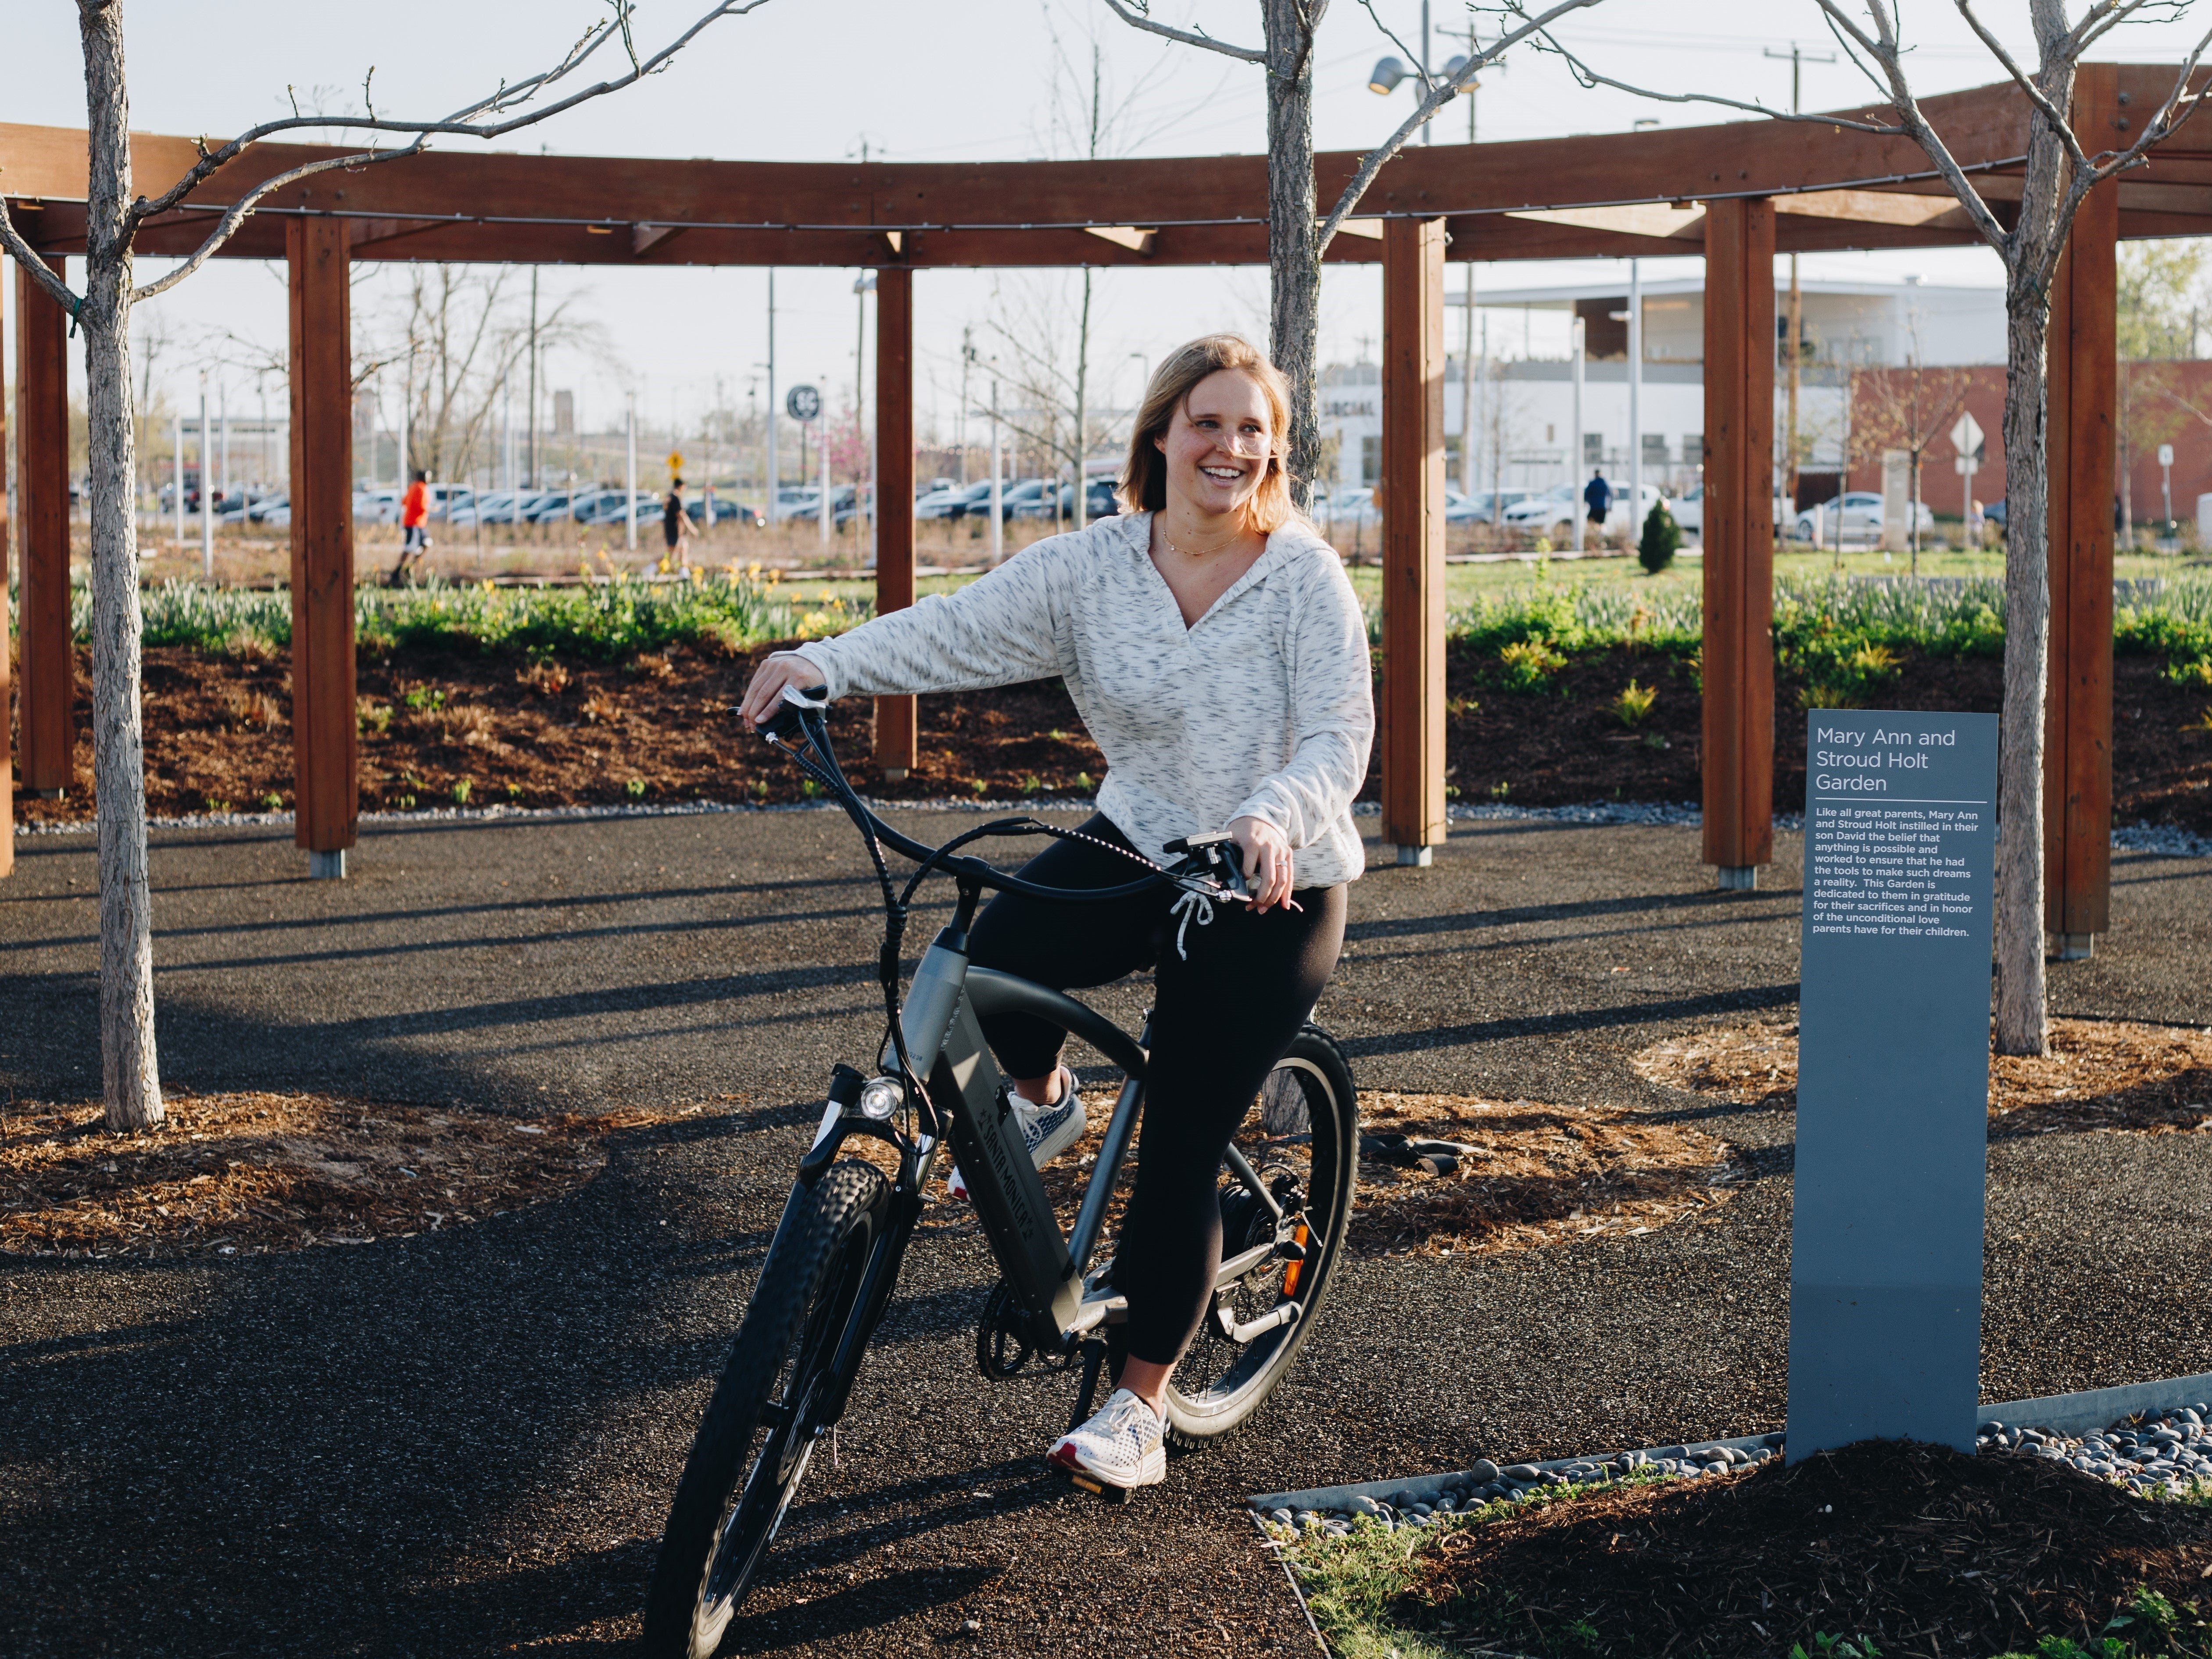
(766, 690)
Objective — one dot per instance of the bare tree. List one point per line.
(1908, 408)
(2159, 288)
(1295, 241)
(2056, 175)
(130, 1073)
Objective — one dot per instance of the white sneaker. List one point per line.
(1124, 1445)
(1047, 1131)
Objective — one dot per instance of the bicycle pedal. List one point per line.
(1099, 1489)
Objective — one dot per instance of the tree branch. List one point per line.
(2042, 105)
(242, 210)
(464, 122)
(2163, 123)
(1589, 77)
(1439, 94)
(27, 257)
(1141, 18)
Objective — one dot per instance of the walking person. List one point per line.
(676, 526)
(1216, 650)
(414, 531)
(1597, 495)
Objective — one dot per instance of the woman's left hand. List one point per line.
(1268, 860)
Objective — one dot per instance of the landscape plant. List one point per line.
(1660, 540)
(130, 1068)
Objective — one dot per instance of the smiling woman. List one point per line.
(1210, 643)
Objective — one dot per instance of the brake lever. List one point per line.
(1215, 854)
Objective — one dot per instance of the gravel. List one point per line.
(2169, 1455)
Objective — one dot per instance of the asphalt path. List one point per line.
(465, 1445)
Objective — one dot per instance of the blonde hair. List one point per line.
(1144, 485)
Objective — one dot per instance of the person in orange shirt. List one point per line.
(413, 525)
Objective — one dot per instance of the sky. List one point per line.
(918, 80)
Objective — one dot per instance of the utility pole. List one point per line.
(1796, 314)
(772, 514)
(207, 490)
(1575, 443)
(997, 506)
(630, 479)
(532, 412)
(1635, 399)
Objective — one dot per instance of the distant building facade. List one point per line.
(1523, 422)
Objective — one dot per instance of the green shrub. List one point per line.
(1633, 707)
(1660, 540)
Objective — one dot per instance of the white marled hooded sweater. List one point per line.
(1264, 709)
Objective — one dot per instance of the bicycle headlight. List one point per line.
(880, 1096)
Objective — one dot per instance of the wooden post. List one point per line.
(7, 722)
(2077, 726)
(1413, 711)
(897, 735)
(1738, 753)
(48, 691)
(325, 747)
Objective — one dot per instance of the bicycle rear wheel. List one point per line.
(758, 1432)
(1303, 1142)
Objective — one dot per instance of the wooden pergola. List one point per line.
(1736, 193)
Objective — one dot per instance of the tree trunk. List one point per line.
(130, 1078)
(2020, 1024)
(1293, 247)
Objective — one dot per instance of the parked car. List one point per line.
(1552, 514)
(1860, 516)
(725, 509)
(493, 507)
(1484, 507)
(1689, 511)
(974, 502)
(944, 501)
(1026, 499)
(276, 502)
(1350, 507)
(799, 504)
(1099, 501)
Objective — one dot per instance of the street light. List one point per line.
(1388, 73)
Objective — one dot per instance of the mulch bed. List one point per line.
(569, 730)
(248, 1173)
(2099, 1074)
(1917, 1549)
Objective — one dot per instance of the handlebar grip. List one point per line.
(785, 722)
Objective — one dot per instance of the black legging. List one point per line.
(1220, 1021)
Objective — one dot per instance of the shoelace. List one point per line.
(1192, 903)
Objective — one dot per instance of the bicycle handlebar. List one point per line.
(801, 713)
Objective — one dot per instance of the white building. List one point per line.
(1523, 394)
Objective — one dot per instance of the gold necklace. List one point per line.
(1229, 542)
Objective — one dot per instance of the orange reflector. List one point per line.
(1297, 1269)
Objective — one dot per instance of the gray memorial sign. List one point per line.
(1893, 1079)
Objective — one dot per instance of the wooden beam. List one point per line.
(2077, 770)
(1413, 500)
(48, 693)
(1738, 720)
(325, 741)
(7, 656)
(897, 735)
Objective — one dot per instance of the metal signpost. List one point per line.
(1893, 1079)
(803, 403)
(1967, 438)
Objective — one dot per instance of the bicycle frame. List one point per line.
(939, 1048)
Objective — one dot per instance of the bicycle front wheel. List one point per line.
(758, 1432)
(1304, 1142)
